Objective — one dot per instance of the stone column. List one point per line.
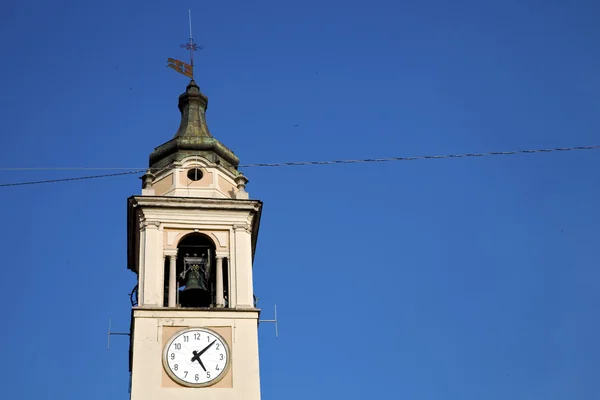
(173, 280)
(219, 283)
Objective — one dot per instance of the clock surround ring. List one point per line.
(180, 381)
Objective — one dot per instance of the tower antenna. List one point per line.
(114, 333)
(274, 320)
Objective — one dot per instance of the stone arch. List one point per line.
(211, 236)
(195, 270)
(191, 161)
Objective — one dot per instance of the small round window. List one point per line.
(194, 174)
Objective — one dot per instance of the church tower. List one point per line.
(191, 240)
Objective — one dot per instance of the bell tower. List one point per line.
(191, 240)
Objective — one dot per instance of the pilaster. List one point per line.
(152, 292)
(243, 266)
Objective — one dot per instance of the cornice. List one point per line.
(194, 203)
(166, 313)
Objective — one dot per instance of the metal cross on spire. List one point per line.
(180, 66)
(190, 45)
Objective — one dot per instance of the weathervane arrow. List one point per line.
(181, 67)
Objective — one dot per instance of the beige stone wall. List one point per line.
(216, 181)
(160, 223)
(163, 185)
(206, 181)
(161, 231)
(152, 330)
(226, 186)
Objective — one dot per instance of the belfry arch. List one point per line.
(200, 276)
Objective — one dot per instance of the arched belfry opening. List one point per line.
(195, 271)
(199, 277)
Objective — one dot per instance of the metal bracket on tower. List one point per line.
(272, 320)
(114, 333)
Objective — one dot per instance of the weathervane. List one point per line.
(180, 66)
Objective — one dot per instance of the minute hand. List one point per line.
(206, 348)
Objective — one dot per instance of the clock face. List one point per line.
(196, 357)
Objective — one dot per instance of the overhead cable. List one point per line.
(285, 164)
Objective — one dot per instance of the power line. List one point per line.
(69, 169)
(286, 164)
(493, 153)
(80, 178)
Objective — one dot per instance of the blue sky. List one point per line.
(434, 279)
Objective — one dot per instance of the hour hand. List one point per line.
(197, 358)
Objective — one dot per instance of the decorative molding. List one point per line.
(195, 160)
(195, 203)
(174, 236)
(170, 253)
(245, 227)
(144, 224)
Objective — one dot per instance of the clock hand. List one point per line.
(197, 358)
(198, 354)
(206, 348)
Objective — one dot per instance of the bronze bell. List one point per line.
(196, 274)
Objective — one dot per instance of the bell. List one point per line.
(196, 292)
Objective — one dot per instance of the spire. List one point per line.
(193, 105)
(193, 136)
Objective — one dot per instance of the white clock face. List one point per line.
(196, 357)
